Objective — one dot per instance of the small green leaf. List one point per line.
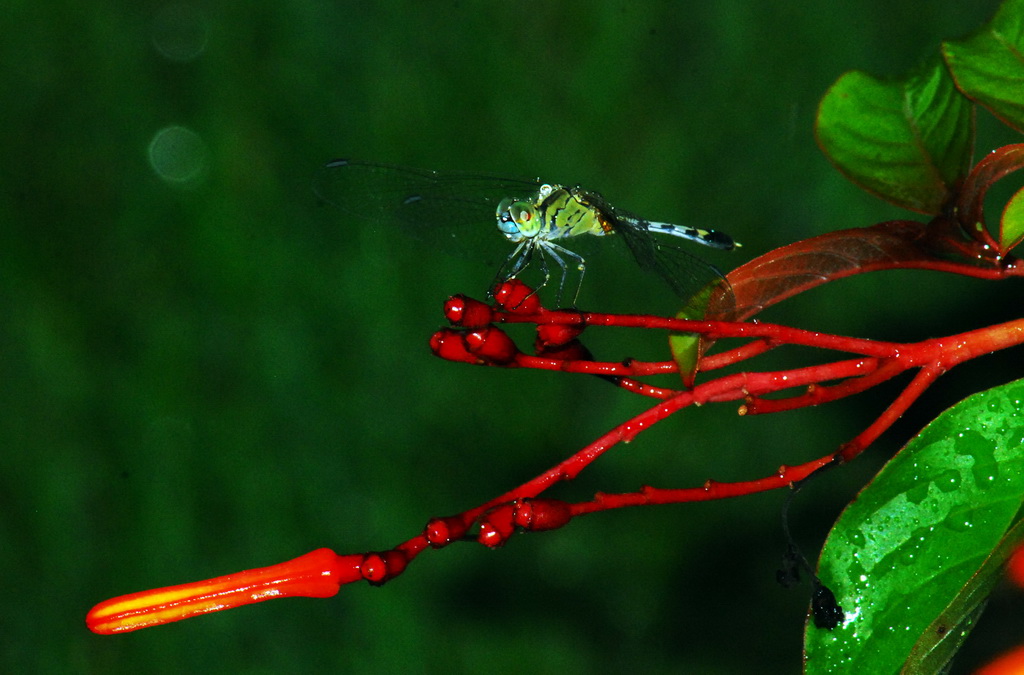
(1011, 226)
(907, 548)
(687, 348)
(907, 141)
(989, 65)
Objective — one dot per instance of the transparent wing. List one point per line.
(684, 272)
(454, 212)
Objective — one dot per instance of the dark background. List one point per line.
(205, 370)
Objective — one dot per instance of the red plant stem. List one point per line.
(933, 356)
(632, 368)
(810, 376)
(911, 393)
(604, 501)
(897, 357)
(1010, 662)
(741, 353)
(783, 477)
(642, 389)
(774, 333)
(819, 393)
(321, 573)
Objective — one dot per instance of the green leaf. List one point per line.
(989, 66)
(913, 543)
(943, 638)
(1011, 225)
(907, 141)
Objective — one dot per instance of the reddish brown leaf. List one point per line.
(971, 203)
(897, 244)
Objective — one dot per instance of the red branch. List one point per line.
(322, 572)
(957, 242)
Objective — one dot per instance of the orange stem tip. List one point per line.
(318, 574)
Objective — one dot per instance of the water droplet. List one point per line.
(948, 481)
(906, 556)
(918, 493)
(957, 523)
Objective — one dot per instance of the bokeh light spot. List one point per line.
(180, 32)
(178, 155)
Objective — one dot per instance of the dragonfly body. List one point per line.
(536, 217)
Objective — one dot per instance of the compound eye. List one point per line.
(504, 210)
(524, 216)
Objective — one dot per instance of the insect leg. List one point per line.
(515, 263)
(544, 266)
(554, 250)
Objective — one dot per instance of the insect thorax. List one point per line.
(567, 212)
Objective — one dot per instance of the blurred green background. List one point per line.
(206, 370)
